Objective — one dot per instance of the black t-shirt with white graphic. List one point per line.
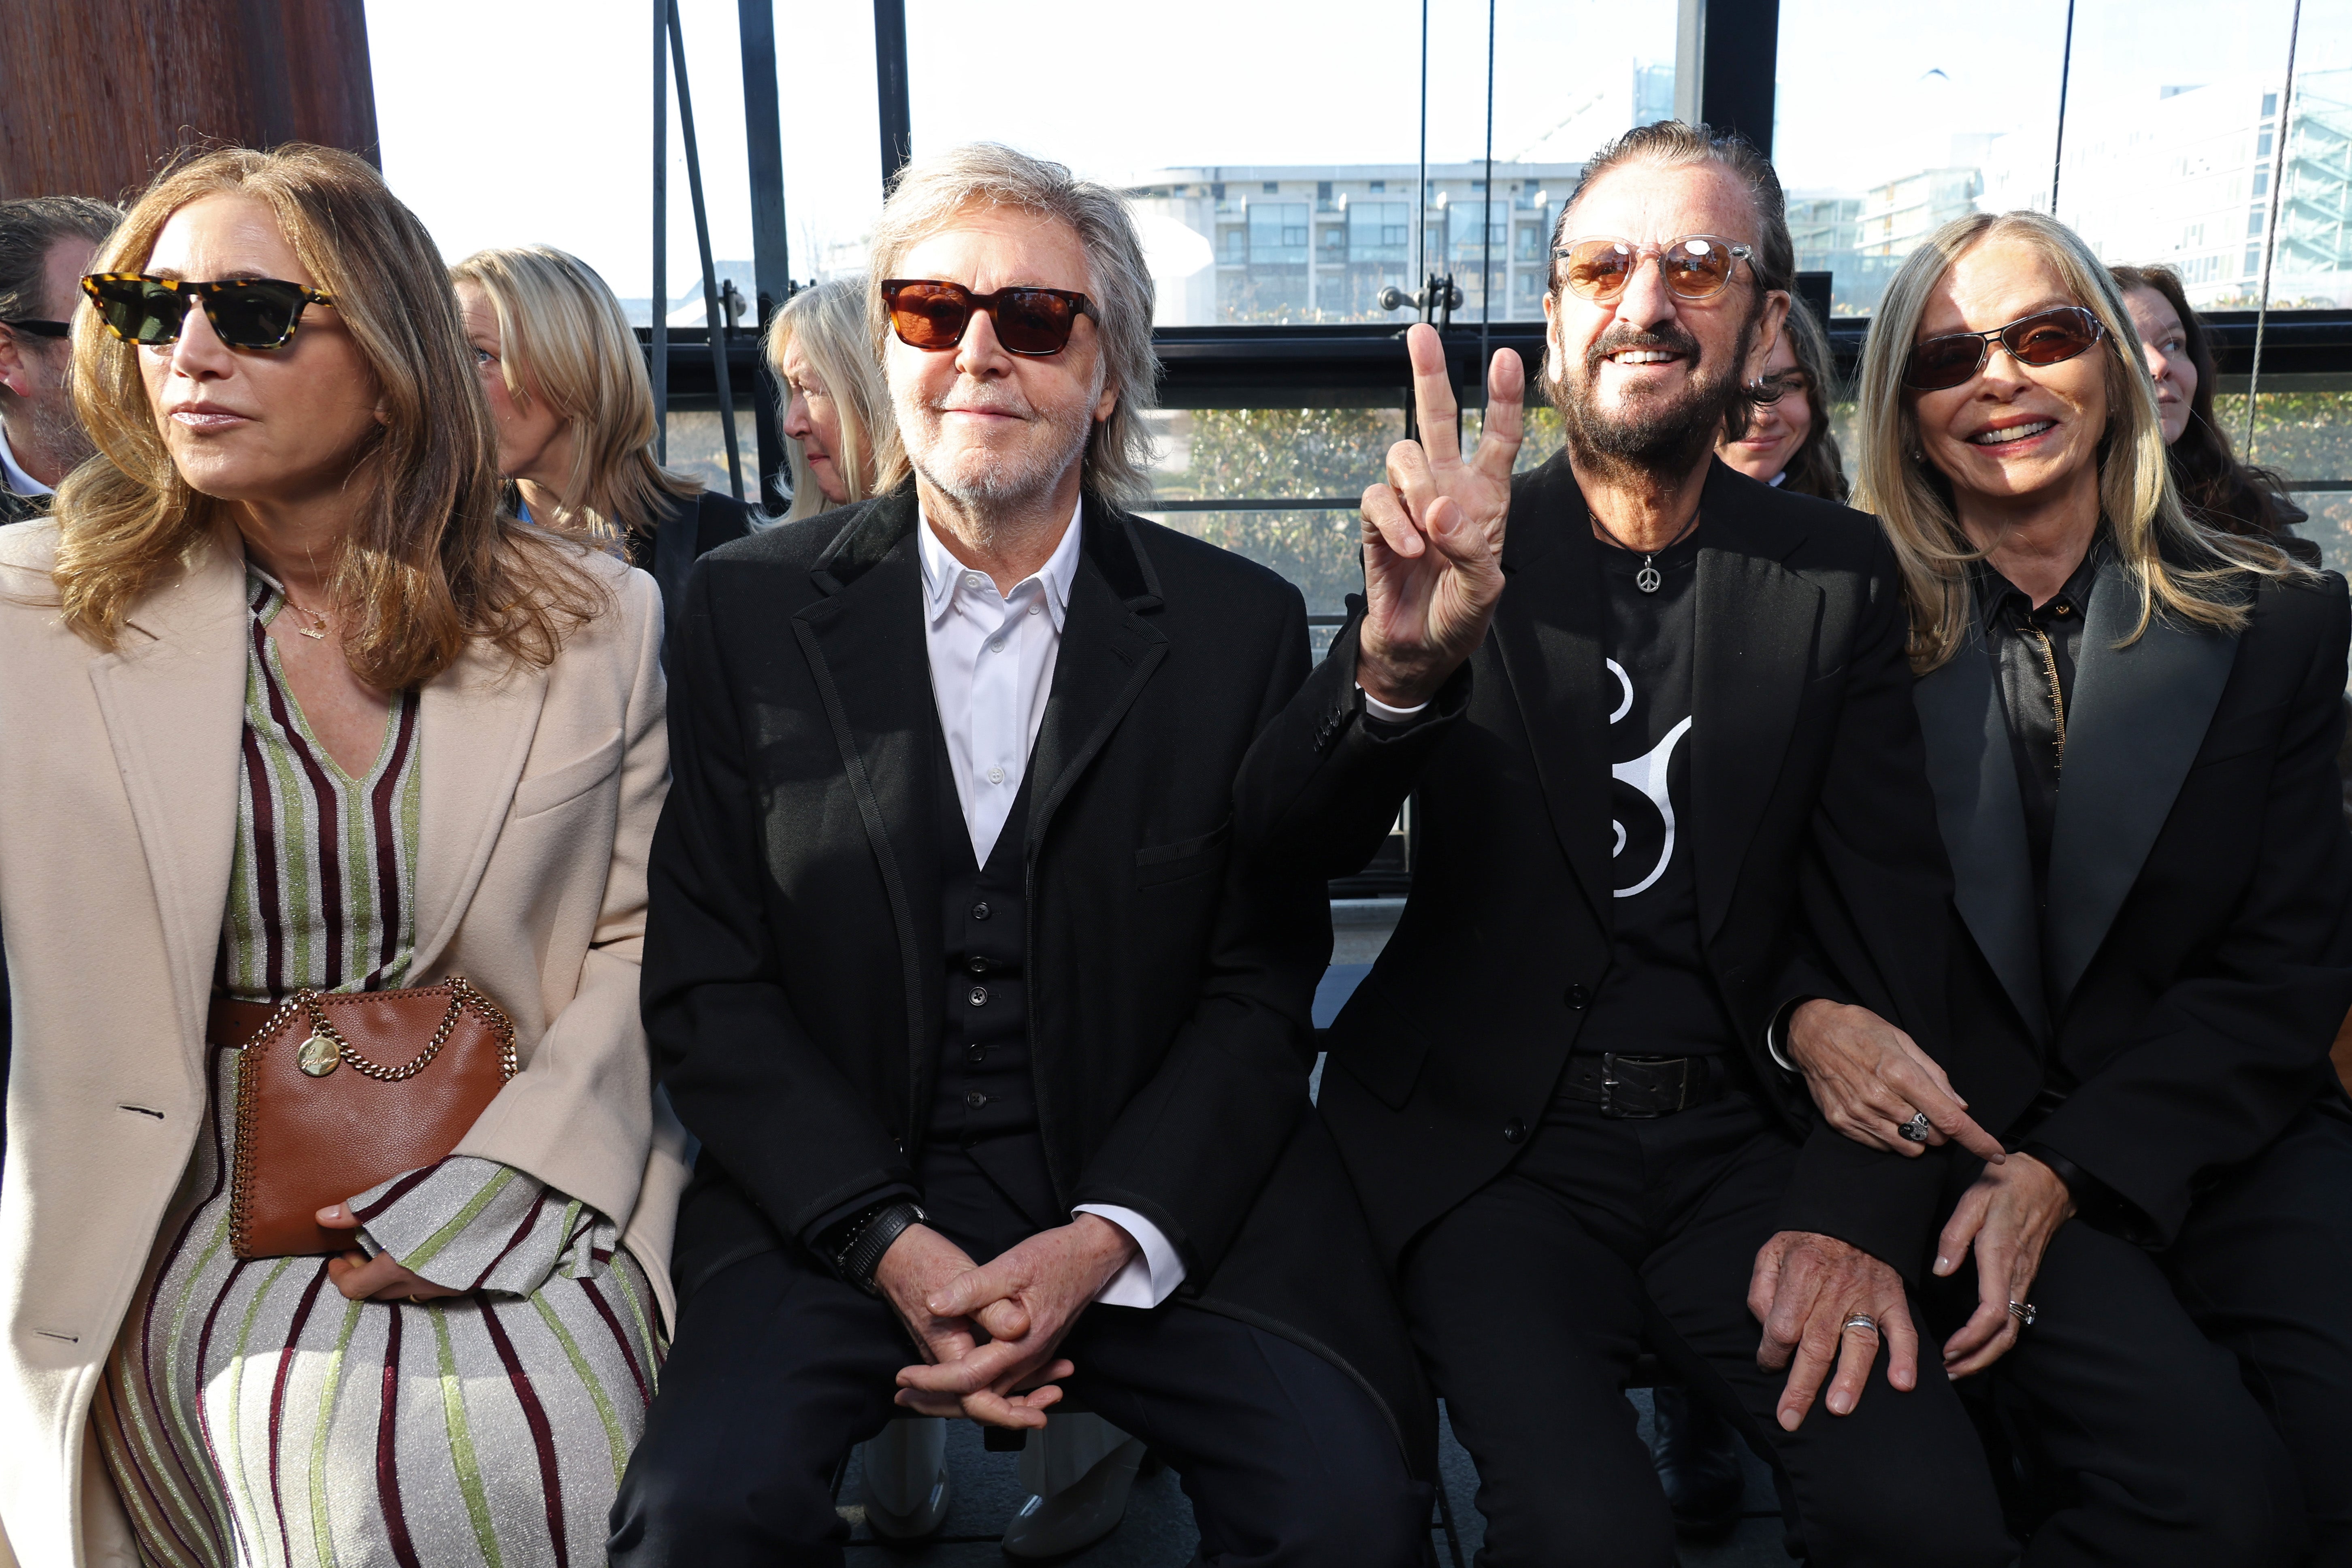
(1657, 997)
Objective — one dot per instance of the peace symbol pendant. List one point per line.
(1647, 578)
(318, 1055)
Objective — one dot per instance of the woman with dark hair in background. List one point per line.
(1789, 441)
(298, 718)
(2234, 496)
(575, 409)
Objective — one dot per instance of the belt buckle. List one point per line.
(1609, 1106)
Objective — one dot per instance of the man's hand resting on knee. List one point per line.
(1025, 1302)
(1805, 1289)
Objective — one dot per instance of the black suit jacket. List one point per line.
(792, 959)
(1814, 844)
(2196, 958)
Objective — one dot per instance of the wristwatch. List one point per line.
(859, 1243)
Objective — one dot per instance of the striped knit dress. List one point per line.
(249, 1414)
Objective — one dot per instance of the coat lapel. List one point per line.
(1546, 633)
(1758, 623)
(1973, 773)
(475, 724)
(172, 698)
(2138, 715)
(867, 645)
(1108, 651)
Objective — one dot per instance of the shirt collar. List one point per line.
(15, 479)
(1995, 592)
(944, 575)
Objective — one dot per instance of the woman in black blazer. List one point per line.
(2150, 961)
(574, 408)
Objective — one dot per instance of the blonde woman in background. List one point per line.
(845, 449)
(843, 441)
(574, 410)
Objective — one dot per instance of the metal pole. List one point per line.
(1421, 186)
(771, 273)
(890, 98)
(2269, 237)
(715, 317)
(660, 356)
(2065, 70)
(1486, 238)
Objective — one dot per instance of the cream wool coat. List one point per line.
(118, 817)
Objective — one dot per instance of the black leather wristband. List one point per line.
(869, 1237)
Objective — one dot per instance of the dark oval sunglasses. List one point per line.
(933, 315)
(1696, 266)
(245, 312)
(2046, 337)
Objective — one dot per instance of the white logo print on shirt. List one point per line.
(1646, 775)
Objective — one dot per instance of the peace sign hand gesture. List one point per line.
(1433, 532)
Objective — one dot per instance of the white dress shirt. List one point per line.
(993, 658)
(18, 481)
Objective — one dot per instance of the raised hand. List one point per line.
(1433, 532)
(1806, 1290)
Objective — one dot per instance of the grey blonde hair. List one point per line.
(828, 325)
(930, 194)
(563, 338)
(2186, 572)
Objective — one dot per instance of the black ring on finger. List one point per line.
(1916, 1130)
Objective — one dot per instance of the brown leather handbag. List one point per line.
(339, 1091)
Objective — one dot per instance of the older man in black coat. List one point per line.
(998, 1057)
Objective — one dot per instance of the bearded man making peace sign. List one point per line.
(1670, 791)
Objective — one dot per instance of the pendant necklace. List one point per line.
(1647, 579)
(317, 630)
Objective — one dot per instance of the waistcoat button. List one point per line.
(975, 1053)
(975, 1100)
(980, 912)
(1514, 1131)
(979, 997)
(1578, 998)
(978, 966)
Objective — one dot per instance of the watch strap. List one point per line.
(871, 1237)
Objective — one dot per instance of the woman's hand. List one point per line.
(379, 1279)
(1869, 1079)
(2009, 1216)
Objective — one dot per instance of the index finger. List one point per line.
(1505, 427)
(1434, 410)
(1943, 1111)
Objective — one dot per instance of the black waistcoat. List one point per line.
(983, 1119)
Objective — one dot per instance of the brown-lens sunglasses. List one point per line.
(933, 315)
(246, 312)
(2046, 337)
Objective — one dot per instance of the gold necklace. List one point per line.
(317, 630)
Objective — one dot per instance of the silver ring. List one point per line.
(1863, 1320)
(1915, 1131)
(2023, 1312)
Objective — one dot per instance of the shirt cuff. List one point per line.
(1777, 1030)
(1152, 1275)
(1386, 714)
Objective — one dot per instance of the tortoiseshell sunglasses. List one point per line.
(246, 312)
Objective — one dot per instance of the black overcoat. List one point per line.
(1814, 846)
(794, 960)
(2196, 957)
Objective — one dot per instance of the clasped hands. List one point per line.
(987, 1332)
(1869, 1077)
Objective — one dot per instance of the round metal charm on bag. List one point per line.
(318, 1055)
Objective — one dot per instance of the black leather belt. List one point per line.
(1643, 1087)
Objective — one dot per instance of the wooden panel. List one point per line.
(96, 95)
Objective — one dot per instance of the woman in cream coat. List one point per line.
(285, 595)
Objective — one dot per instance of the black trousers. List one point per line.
(778, 1368)
(2198, 1401)
(1530, 1302)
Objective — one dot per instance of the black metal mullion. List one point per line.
(714, 318)
(660, 356)
(771, 272)
(892, 105)
(1740, 53)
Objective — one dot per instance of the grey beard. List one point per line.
(1650, 441)
(1002, 490)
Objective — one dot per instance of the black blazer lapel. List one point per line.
(1108, 651)
(1547, 634)
(1758, 622)
(2138, 716)
(1973, 773)
(866, 643)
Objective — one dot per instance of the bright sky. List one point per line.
(505, 122)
